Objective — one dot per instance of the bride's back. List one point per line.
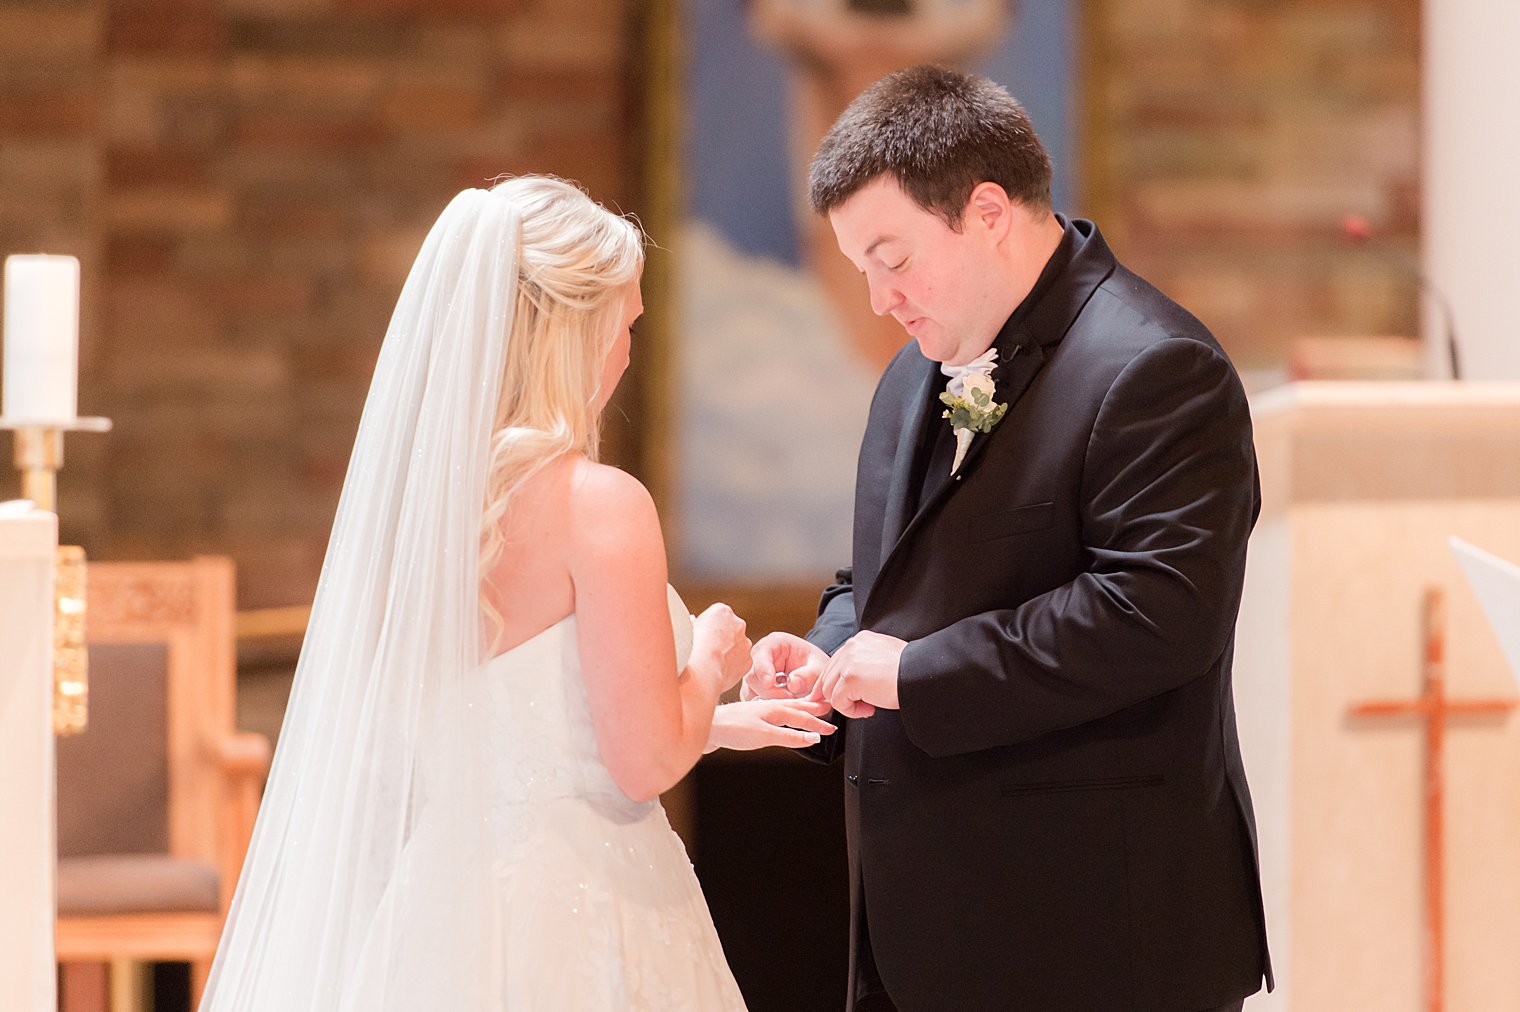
(529, 588)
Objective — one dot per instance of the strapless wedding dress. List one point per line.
(591, 901)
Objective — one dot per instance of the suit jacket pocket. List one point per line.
(1013, 790)
(1006, 523)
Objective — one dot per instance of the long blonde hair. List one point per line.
(573, 259)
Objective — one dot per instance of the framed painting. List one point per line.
(769, 350)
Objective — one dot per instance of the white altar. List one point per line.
(28, 542)
(1363, 484)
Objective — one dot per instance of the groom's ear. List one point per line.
(988, 210)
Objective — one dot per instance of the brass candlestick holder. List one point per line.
(71, 663)
(39, 458)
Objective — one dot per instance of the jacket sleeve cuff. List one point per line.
(930, 715)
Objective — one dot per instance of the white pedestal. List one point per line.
(1362, 484)
(27, 975)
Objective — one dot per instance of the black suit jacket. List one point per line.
(1057, 818)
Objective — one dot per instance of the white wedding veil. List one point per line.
(380, 736)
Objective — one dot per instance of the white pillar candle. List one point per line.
(41, 339)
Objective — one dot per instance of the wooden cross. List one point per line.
(1434, 705)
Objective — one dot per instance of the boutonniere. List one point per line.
(972, 409)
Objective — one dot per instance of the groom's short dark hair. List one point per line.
(940, 134)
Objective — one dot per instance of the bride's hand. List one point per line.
(757, 723)
(719, 633)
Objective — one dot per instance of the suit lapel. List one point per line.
(916, 416)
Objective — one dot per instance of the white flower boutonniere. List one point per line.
(972, 411)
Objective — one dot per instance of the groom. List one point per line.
(1029, 659)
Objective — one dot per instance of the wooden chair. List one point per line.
(157, 798)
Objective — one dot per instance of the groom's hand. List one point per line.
(862, 675)
(783, 666)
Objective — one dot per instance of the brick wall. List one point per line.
(246, 182)
(1227, 138)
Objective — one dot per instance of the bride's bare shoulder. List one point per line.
(608, 508)
(605, 490)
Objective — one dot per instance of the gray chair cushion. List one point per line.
(135, 883)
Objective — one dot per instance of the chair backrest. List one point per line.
(113, 793)
(142, 777)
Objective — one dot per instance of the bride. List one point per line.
(496, 683)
